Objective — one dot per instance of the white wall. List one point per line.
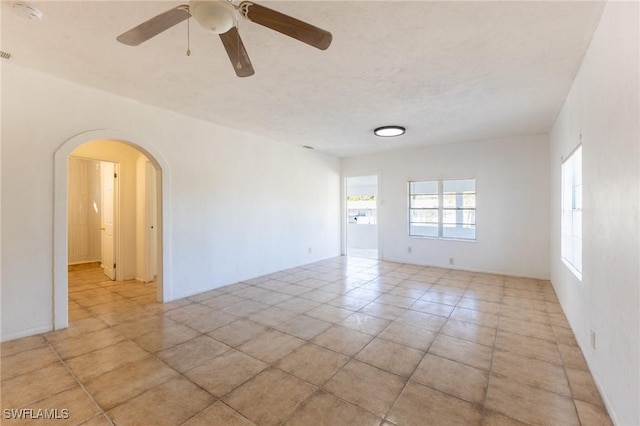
(512, 203)
(603, 110)
(236, 205)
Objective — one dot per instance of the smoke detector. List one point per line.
(27, 11)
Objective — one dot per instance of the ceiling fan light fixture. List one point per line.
(218, 16)
(389, 131)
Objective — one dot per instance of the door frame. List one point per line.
(60, 287)
(345, 218)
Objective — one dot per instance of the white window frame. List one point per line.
(571, 212)
(440, 209)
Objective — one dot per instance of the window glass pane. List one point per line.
(423, 229)
(425, 216)
(427, 187)
(461, 232)
(424, 201)
(462, 185)
(571, 223)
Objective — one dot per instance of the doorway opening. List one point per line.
(362, 216)
(113, 209)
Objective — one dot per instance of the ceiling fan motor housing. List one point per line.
(218, 16)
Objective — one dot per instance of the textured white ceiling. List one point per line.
(448, 71)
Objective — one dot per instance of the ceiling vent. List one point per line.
(5, 55)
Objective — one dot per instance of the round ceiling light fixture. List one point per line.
(389, 131)
(217, 16)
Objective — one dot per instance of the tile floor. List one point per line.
(346, 341)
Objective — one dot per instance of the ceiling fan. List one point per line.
(221, 17)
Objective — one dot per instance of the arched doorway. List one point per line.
(155, 169)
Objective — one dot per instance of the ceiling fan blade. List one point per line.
(237, 53)
(154, 26)
(306, 33)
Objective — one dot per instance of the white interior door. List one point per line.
(109, 171)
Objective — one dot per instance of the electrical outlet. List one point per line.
(451, 261)
(409, 249)
(593, 340)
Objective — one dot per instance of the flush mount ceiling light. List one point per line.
(389, 131)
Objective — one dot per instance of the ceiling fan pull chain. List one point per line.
(238, 65)
(188, 36)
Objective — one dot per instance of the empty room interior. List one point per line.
(320, 212)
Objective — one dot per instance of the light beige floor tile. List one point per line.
(20, 345)
(155, 341)
(272, 317)
(218, 414)
(365, 323)
(75, 346)
(329, 313)
(271, 345)
(530, 371)
(572, 357)
(101, 361)
(529, 404)
(408, 335)
(432, 308)
(100, 420)
(527, 328)
(77, 328)
(491, 418)
(117, 386)
(543, 350)
(27, 361)
(312, 363)
(479, 305)
(170, 403)
(366, 386)
(193, 352)
(419, 319)
(397, 301)
(223, 374)
(591, 415)
(77, 404)
(460, 380)
(237, 332)
(485, 319)
(469, 331)
(446, 299)
(380, 310)
(343, 340)
(304, 327)
(24, 390)
(270, 397)
(583, 387)
(349, 302)
(469, 353)
(298, 305)
(420, 405)
(324, 409)
(392, 357)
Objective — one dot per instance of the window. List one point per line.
(571, 225)
(443, 209)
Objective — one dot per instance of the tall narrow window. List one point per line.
(443, 209)
(571, 225)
